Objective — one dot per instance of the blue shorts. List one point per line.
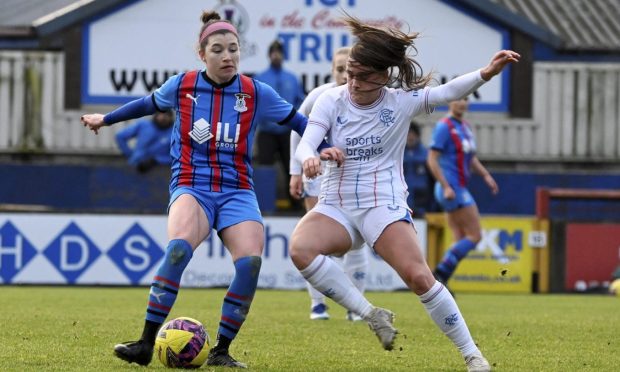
(223, 209)
(463, 198)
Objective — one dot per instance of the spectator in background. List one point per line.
(273, 139)
(451, 159)
(152, 141)
(417, 175)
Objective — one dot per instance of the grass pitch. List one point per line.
(74, 329)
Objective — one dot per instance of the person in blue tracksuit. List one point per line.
(272, 140)
(152, 141)
(417, 175)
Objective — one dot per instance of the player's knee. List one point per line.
(178, 253)
(302, 252)
(253, 263)
(420, 281)
(256, 261)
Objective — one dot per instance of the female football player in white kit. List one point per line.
(354, 262)
(363, 193)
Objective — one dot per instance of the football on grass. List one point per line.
(182, 343)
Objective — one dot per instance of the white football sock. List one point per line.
(316, 297)
(327, 277)
(356, 267)
(442, 308)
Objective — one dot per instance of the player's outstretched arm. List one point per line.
(500, 60)
(93, 122)
(464, 85)
(131, 110)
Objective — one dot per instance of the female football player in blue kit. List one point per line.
(211, 184)
(451, 159)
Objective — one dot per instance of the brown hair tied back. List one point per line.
(209, 18)
(384, 49)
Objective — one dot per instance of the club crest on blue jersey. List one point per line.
(468, 146)
(386, 117)
(201, 132)
(240, 102)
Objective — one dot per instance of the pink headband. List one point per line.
(217, 26)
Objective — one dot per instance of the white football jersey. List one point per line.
(311, 186)
(308, 103)
(373, 140)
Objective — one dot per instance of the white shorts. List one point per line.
(312, 187)
(367, 224)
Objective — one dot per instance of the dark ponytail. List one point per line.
(385, 49)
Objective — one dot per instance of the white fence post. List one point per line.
(581, 122)
(48, 101)
(16, 120)
(610, 113)
(540, 109)
(5, 102)
(567, 113)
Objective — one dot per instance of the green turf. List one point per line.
(74, 329)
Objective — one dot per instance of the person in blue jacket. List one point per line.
(417, 175)
(273, 140)
(152, 141)
(211, 184)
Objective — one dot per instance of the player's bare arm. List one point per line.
(498, 62)
(93, 122)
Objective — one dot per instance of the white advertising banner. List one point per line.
(130, 51)
(127, 249)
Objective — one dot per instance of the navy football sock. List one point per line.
(451, 259)
(165, 286)
(238, 299)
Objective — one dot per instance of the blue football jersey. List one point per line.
(214, 128)
(455, 140)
